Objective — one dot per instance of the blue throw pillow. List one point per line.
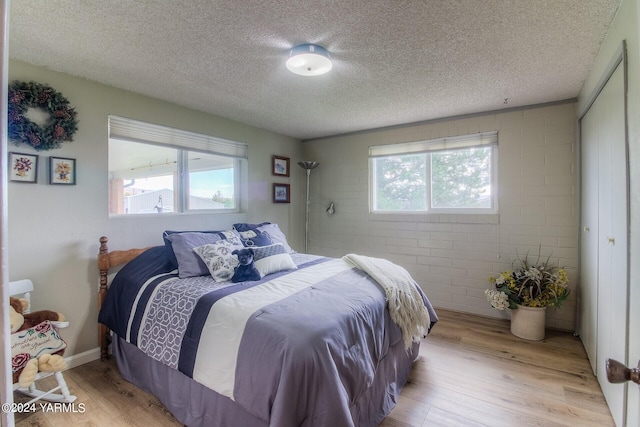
(271, 230)
(243, 226)
(254, 237)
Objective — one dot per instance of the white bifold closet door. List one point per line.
(604, 236)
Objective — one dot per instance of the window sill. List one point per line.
(489, 218)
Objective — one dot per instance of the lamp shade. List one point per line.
(308, 165)
(309, 60)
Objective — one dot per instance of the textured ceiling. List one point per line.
(395, 61)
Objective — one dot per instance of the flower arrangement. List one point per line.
(22, 166)
(529, 284)
(63, 169)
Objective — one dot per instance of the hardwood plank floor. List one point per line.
(471, 372)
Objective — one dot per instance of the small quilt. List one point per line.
(34, 342)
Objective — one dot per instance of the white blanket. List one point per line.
(406, 306)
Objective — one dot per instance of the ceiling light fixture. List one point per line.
(309, 60)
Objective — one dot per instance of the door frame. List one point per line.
(6, 392)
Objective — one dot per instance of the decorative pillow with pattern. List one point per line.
(219, 259)
(182, 244)
(271, 230)
(253, 238)
(272, 259)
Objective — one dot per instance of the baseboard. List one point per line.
(82, 358)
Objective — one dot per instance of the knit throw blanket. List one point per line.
(406, 306)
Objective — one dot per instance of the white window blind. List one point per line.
(136, 131)
(441, 144)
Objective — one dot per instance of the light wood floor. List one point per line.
(471, 372)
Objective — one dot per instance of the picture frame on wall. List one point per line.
(280, 166)
(23, 168)
(281, 193)
(62, 170)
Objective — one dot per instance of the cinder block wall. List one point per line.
(452, 256)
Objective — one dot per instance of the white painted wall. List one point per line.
(54, 229)
(452, 256)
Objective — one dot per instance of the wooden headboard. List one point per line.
(107, 260)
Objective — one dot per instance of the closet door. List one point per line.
(612, 247)
(589, 236)
(604, 243)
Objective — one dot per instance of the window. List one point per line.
(158, 170)
(447, 175)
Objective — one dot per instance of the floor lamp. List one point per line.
(307, 166)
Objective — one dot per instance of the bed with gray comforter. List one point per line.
(310, 346)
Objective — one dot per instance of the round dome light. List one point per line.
(309, 60)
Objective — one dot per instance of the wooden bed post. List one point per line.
(107, 260)
(104, 338)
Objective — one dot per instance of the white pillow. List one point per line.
(218, 259)
(272, 259)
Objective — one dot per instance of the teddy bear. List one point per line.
(246, 270)
(20, 321)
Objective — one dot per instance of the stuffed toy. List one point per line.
(18, 322)
(246, 270)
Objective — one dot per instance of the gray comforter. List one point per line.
(302, 348)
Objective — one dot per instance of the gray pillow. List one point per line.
(189, 263)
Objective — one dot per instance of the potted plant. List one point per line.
(528, 289)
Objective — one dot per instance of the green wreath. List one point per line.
(60, 126)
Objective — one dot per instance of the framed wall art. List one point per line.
(280, 166)
(281, 193)
(62, 171)
(23, 168)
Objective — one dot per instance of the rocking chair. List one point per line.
(23, 289)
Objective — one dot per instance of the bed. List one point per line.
(315, 342)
